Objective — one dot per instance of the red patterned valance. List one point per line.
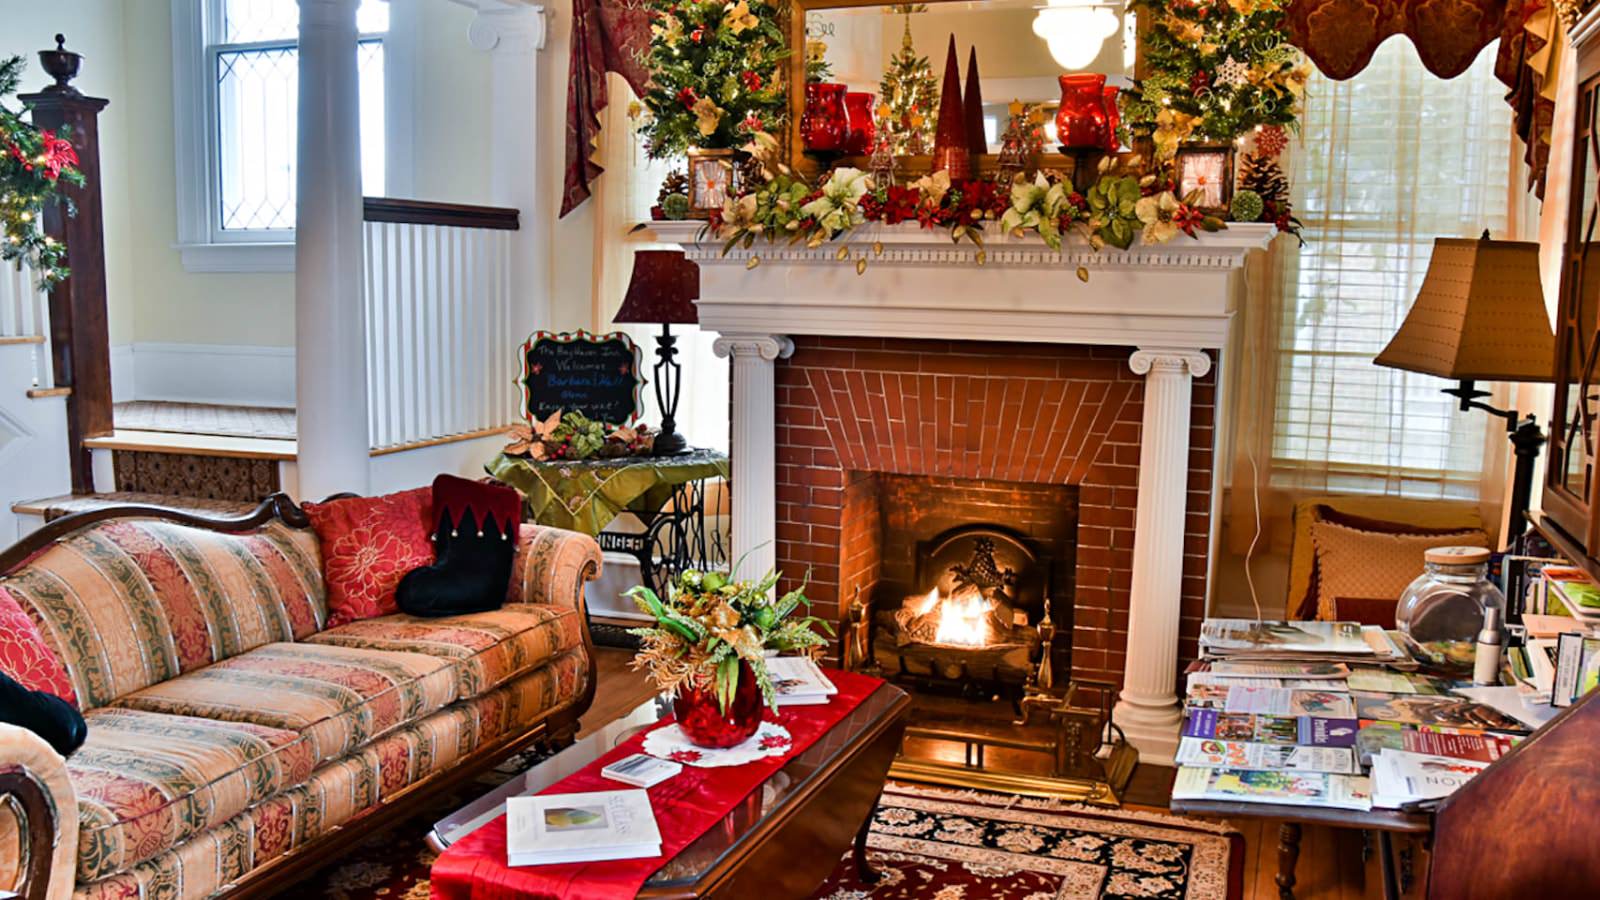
(1340, 37)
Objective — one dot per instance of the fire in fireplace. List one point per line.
(976, 625)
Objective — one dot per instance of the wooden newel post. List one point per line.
(79, 340)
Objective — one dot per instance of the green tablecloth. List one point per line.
(585, 496)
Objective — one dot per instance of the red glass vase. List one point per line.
(823, 126)
(1113, 119)
(1083, 122)
(705, 723)
(860, 129)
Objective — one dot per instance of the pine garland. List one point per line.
(33, 164)
(1217, 69)
(716, 74)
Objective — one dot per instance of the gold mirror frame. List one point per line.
(983, 166)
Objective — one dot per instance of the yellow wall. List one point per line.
(127, 45)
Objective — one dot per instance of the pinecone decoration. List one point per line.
(1262, 174)
(676, 182)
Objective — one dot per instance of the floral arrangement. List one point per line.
(715, 76)
(1218, 69)
(1118, 207)
(33, 165)
(574, 436)
(708, 623)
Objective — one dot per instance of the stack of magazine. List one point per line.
(1298, 713)
(559, 828)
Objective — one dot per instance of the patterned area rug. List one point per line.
(929, 844)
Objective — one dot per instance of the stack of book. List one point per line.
(560, 828)
(797, 681)
(1296, 713)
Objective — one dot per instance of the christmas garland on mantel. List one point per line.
(1118, 207)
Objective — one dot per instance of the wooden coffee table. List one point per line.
(783, 840)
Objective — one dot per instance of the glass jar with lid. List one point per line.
(1442, 610)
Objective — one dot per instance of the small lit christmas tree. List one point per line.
(911, 91)
(1020, 144)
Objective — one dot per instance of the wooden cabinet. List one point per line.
(1570, 490)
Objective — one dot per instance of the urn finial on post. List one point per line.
(61, 64)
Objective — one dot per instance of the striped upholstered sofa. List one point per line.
(233, 739)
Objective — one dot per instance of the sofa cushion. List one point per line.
(337, 698)
(128, 603)
(487, 649)
(368, 545)
(147, 781)
(339, 791)
(25, 656)
(1355, 562)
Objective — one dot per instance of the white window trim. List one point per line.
(201, 248)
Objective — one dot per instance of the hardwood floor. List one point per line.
(1331, 865)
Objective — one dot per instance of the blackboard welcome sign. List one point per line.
(595, 374)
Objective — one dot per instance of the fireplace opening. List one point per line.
(974, 583)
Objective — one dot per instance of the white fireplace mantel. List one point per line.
(1167, 303)
(923, 286)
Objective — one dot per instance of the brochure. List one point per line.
(1229, 668)
(1240, 755)
(1225, 636)
(1267, 786)
(1280, 702)
(1455, 743)
(798, 681)
(1400, 777)
(1304, 730)
(557, 828)
(1418, 709)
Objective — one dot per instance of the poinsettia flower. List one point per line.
(707, 115)
(839, 206)
(688, 97)
(669, 31)
(521, 441)
(933, 188)
(684, 756)
(739, 215)
(1156, 213)
(739, 18)
(774, 741)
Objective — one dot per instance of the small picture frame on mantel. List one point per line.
(713, 177)
(1206, 169)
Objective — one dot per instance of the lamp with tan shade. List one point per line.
(1480, 316)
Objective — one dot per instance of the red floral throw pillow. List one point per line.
(26, 657)
(368, 545)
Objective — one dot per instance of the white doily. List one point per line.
(669, 742)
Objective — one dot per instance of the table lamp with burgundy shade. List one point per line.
(662, 291)
(1480, 316)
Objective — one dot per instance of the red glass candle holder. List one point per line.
(706, 724)
(861, 130)
(823, 126)
(1113, 119)
(1082, 122)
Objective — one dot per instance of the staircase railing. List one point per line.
(25, 319)
(441, 355)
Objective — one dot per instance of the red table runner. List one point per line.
(686, 807)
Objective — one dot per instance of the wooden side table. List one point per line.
(1386, 822)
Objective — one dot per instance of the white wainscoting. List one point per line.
(230, 374)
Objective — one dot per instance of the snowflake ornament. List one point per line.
(1271, 141)
(1231, 73)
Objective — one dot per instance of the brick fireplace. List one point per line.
(883, 442)
(1087, 408)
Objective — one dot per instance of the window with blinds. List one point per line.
(1390, 159)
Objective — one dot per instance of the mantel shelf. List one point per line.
(909, 243)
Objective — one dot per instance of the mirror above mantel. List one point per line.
(1022, 46)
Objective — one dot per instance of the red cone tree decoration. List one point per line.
(950, 140)
(977, 143)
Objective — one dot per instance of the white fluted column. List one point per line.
(330, 322)
(1148, 710)
(513, 32)
(754, 450)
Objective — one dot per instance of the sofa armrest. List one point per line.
(552, 565)
(39, 849)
